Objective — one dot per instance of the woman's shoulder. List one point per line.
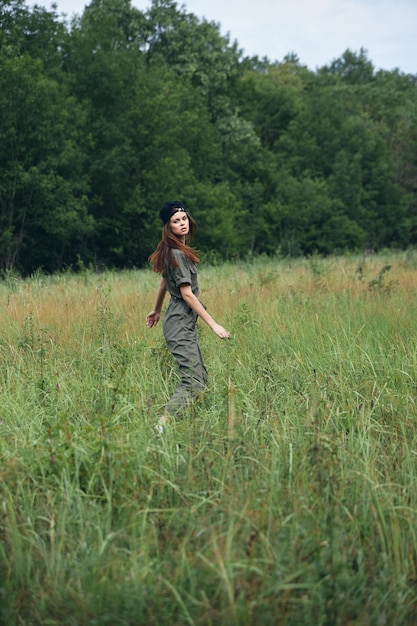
(178, 254)
(183, 260)
(181, 256)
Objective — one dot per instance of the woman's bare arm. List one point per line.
(153, 317)
(195, 304)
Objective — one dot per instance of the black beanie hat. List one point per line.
(169, 209)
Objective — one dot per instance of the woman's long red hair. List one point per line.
(163, 253)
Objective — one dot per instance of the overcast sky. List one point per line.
(317, 31)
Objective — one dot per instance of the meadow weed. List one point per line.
(285, 496)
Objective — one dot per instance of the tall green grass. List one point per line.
(287, 495)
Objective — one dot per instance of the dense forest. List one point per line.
(105, 117)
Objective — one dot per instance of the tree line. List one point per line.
(106, 116)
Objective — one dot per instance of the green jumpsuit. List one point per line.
(179, 327)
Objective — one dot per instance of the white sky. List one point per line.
(317, 31)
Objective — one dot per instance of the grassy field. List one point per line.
(286, 497)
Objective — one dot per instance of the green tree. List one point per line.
(42, 185)
(36, 33)
(334, 138)
(104, 119)
(153, 134)
(392, 100)
(194, 49)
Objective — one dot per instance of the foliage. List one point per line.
(104, 118)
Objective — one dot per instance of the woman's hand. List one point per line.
(152, 319)
(220, 331)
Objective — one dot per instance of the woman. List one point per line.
(177, 264)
